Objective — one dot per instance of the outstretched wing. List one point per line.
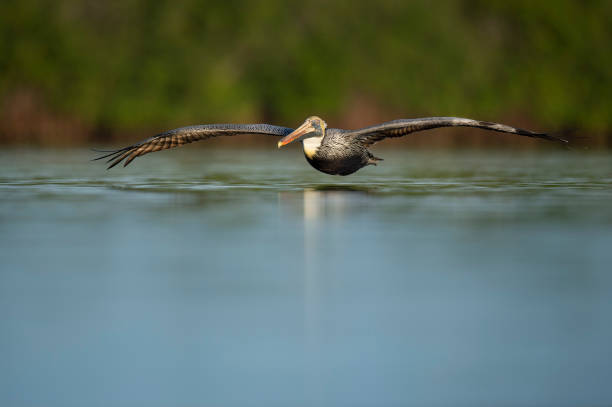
(397, 128)
(186, 135)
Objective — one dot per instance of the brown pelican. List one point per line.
(329, 150)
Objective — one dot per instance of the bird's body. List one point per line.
(336, 153)
(329, 150)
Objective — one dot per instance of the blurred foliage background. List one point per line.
(78, 71)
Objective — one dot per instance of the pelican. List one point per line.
(329, 150)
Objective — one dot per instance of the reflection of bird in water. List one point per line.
(332, 151)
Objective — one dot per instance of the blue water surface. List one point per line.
(246, 278)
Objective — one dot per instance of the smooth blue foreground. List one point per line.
(245, 278)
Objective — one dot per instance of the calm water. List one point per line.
(246, 278)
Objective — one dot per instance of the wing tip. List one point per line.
(115, 156)
(550, 137)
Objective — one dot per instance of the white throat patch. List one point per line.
(311, 145)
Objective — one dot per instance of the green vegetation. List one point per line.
(151, 64)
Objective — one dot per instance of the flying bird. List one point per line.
(329, 150)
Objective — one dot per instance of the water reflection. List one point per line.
(342, 188)
(326, 203)
(314, 210)
(322, 205)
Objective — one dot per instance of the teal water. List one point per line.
(246, 278)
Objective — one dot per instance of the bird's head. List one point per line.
(314, 126)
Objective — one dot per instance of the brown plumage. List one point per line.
(332, 151)
(397, 128)
(186, 135)
(342, 152)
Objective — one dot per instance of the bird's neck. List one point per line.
(311, 145)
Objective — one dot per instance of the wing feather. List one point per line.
(117, 158)
(398, 128)
(185, 135)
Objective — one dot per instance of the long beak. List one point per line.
(296, 134)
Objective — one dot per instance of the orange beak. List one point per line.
(296, 134)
